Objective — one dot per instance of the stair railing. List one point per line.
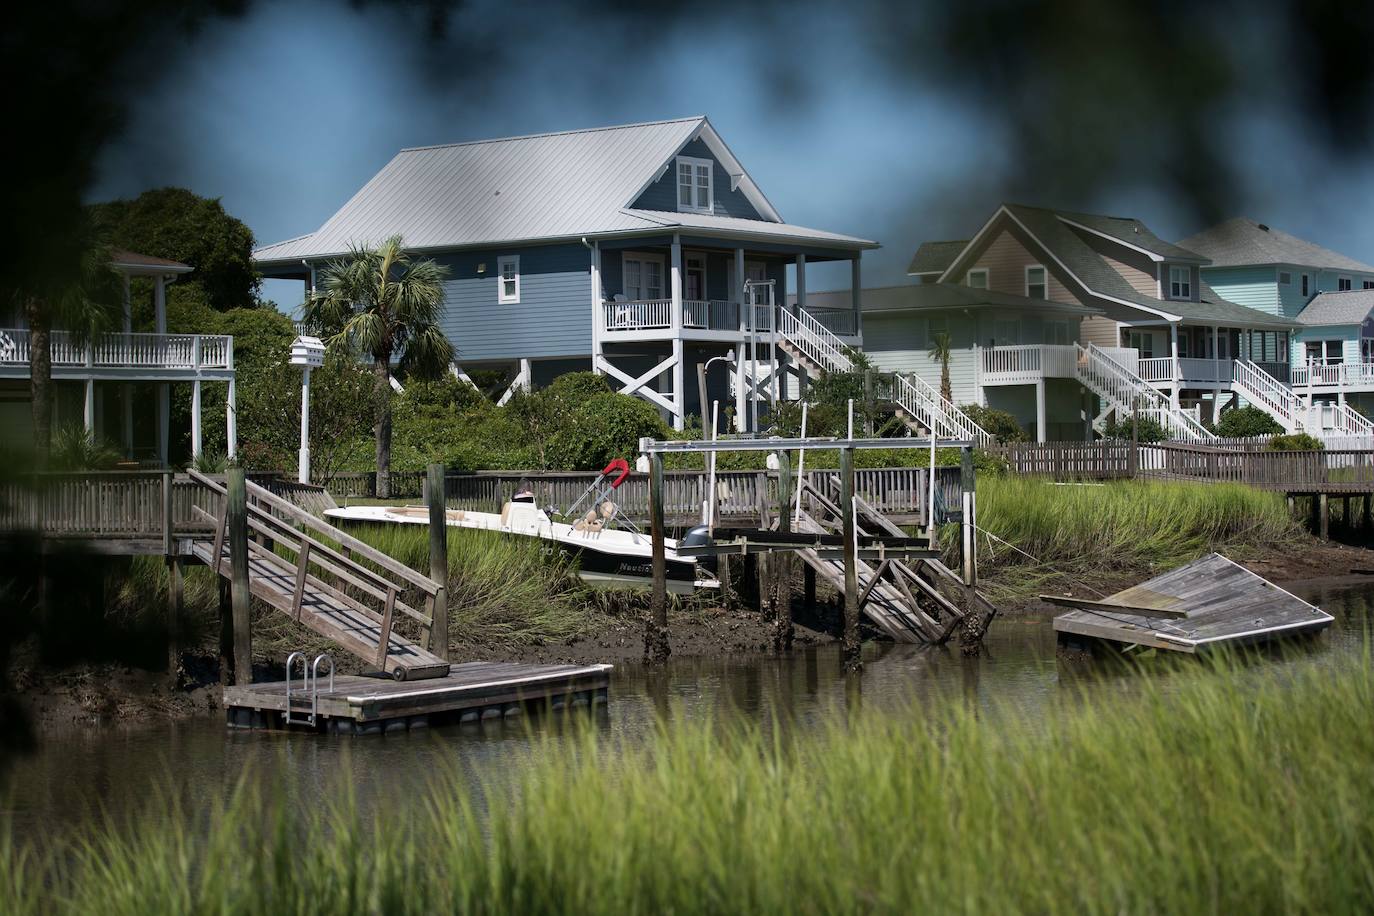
(1118, 384)
(817, 342)
(1269, 394)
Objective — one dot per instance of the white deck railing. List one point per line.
(121, 350)
(1270, 395)
(710, 314)
(638, 314)
(1027, 363)
(1129, 391)
(1334, 375)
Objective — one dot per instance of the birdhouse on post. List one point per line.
(308, 353)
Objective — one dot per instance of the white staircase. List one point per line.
(1270, 395)
(1125, 391)
(816, 347)
(1342, 420)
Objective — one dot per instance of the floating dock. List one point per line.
(471, 692)
(1209, 603)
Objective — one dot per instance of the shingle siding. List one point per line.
(552, 319)
(662, 194)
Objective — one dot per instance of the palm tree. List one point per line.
(385, 304)
(83, 300)
(940, 352)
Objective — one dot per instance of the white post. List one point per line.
(526, 380)
(1040, 413)
(711, 469)
(195, 419)
(801, 282)
(677, 285)
(90, 407)
(773, 306)
(303, 472)
(164, 389)
(738, 371)
(598, 310)
(679, 402)
(738, 292)
(855, 286)
(1174, 370)
(127, 405)
(231, 422)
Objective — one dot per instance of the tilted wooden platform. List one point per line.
(471, 692)
(1207, 603)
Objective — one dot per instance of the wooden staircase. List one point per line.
(327, 580)
(904, 600)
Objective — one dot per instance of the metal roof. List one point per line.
(526, 189)
(1349, 307)
(1242, 242)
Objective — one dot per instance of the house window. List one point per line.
(1180, 282)
(1035, 282)
(1005, 332)
(694, 185)
(1285, 278)
(1057, 333)
(1327, 352)
(643, 276)
(1304, 284)
(1369, 284)
(1144, 342)
(1342, 284)
(508, 267)
(978, 279)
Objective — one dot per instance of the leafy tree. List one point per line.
(177, 224)
(999, 424)
(603, 427)
(386, 304)
(941, 350)
(1244, 422)
(82, 300)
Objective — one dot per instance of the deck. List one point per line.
(471, 692)
(1206, 604)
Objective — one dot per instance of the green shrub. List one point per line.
(1245, 422)
(74, 449)
(1149, 429)
(602, 427)
(999, 424)
(1296, 442)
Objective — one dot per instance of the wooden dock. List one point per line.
(1206, 604)
(471, 692)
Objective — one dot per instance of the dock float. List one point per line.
(1206, 604)
(362, 705)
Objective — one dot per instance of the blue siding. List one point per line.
(662, 194)
(1250, 286)
(553, 317)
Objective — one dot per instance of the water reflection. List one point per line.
(76, 775)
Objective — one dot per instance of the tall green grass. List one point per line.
(1091, 532)
(1224, 792)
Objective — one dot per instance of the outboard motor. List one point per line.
(699, 536)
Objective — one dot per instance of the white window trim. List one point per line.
(514, 261)
(968, 278)
(695, 163)
(1188, 274)
(1044, 281)
(705, 279)
(664, 281)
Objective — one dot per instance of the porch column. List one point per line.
(738, 295)
(127, 399)
(1173, 363)
(679, 398)
(164, 389)
(738, 371)
(677, 285)
(598, 311)
(231, 422)
(1040, 434)
(1216, 374)
(90, 407)
(855, 285)
(195, 418)
(801, 282)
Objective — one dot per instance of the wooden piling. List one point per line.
(226, 633)
(1323, 518)
(968, 542)
(853, 660)
(175, 599)
(781, 565)
(438, 558)
(656, 648)
(809, 588)
(237, 509)
(1365, 514)
(1346, 522)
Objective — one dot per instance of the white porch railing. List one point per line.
(710, 314)
(1161, 370)
(638, 314)
(814, 340)
(838, 321)
(1028, 363)
(1334, 375)
(121, 350)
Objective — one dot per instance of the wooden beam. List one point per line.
(438, 558)
(1084, 604)
(237, 512)
(656, 648)
(853, 658)
(873, 581)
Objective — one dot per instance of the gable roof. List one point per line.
(1056, 233)
(524, 189)
(1349, 307)
(935, 257)
(1132, 233)
(1242, 242)
(131, 262)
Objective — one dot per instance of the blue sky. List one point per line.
(285, 113)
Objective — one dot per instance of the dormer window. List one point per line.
(978, 279)
(1180, 282)
(694, 185)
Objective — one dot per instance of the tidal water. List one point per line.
(79, 775)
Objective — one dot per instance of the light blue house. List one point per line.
(1330, 296)
(632, 251)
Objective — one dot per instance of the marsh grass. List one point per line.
(1217, 791)
(1091, 533)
